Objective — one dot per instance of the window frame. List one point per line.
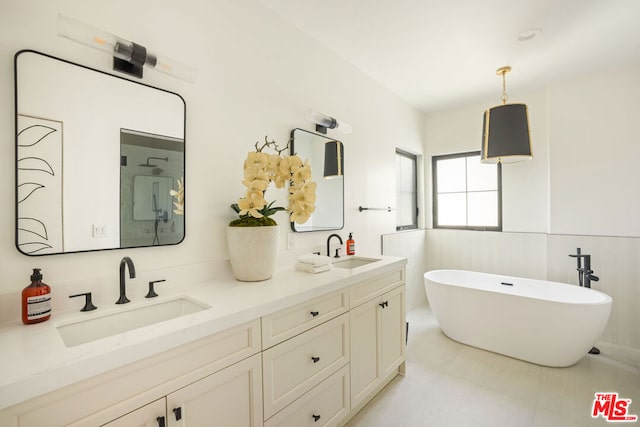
(416, 215)
(434, 193)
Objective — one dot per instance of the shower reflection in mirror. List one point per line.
(150, 167)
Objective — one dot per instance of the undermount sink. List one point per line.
(95, 328)
(353, 262)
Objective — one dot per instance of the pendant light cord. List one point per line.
(504, 89)
(502, 71)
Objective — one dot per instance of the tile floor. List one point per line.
(450, 384)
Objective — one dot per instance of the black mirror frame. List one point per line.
(15, 74)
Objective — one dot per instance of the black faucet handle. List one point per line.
(152, 293)
(88, 304)
(579, 254)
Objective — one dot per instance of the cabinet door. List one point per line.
(377, 343)
(231, 397)
(151, 415)
(393, 330)
(365, 365)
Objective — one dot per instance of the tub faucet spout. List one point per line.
(585, 273)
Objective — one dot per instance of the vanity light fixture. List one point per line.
(333, 159)
(505, 130)
(324, 122)
(128, 57)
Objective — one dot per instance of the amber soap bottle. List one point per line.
(36, 300)
(351, 245)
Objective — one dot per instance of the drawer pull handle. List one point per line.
(314, 313)
(315, 359)
(384, 304)
(315, 418)
(160, 421)
(178, 413)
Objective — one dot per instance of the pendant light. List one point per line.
(333, 159)
(505, 130)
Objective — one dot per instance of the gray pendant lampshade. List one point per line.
(333, 159)
(505, 130)
(505, 134)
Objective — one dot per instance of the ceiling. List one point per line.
(436, 54)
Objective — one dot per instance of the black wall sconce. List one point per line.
(128, 57)
(505, 130)
(324, 122)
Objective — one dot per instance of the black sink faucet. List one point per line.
(126, 261)
(329, 241)
(585, 274)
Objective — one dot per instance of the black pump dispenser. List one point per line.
(36, 276)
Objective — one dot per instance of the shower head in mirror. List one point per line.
(149, 165)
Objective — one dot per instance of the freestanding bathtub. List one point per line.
(547, 323)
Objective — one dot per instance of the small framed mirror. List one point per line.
(326, 156)
(97, 156)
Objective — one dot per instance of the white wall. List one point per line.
(409, 244)
(256, 76)
(580, 189)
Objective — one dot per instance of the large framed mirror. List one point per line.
(96, 158)
(326, 156)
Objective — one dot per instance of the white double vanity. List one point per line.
(297, 350)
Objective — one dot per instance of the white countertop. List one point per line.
(34, 360)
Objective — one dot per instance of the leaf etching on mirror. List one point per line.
(39, 167)
(33, 247)
(29, 230)
(32, 135)
(26, 189)
(34, 226)
(35, 164)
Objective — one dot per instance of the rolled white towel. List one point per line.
(308, 268)
(314, 259)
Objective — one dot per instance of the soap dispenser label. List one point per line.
(38, 306)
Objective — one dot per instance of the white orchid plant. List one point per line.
(178, 196)
(260, 169)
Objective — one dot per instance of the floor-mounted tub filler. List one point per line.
(547, 323)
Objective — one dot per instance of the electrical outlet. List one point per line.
(100, 231)
(291, 241)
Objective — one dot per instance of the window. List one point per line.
(467, 194)
(406, 190)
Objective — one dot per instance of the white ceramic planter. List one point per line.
(253, 252)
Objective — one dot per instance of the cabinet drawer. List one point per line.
(287, 323)
(104, 397)
(295, 366)
(364, 291)
(326, 405)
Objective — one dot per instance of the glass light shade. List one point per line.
(122, 49)
(505, 134)
(326, 122)
(333, 159)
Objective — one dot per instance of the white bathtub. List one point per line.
(547, 323)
